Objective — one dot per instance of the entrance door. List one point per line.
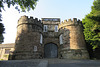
(50, 51)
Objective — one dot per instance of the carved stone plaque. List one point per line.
(35, 48)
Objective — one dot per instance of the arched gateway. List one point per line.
(50, 50)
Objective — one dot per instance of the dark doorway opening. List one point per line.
(50, 50)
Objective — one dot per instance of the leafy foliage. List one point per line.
(24, 5)
(91, 25)
(1, 32)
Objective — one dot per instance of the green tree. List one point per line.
(91, 25)
(25, 5)
(1, 32)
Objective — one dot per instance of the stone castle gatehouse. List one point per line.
(49, 38)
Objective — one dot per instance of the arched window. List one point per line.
(56, 28)
(61, 39)
(45, 28)
(41, 38)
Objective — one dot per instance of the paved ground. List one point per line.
(50, 63)
(74, 63)
(24, 63)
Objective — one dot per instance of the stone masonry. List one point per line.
(49, 38)
(5, 49)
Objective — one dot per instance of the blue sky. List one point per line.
(64, 9)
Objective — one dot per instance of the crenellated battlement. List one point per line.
(25, 20)
(70, 22)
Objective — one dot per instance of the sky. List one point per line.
(63, 9)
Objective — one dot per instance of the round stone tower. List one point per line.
(73, 46)
(28, 41)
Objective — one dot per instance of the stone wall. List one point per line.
(27, 45)
(5, 49)
(51, 36)
(73, 34)
(74, 46)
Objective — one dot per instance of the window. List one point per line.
(56, 28)
(45, 19)
(55, 19)
(45, 28)
(7, 51)
(41, 39)
(61, 39)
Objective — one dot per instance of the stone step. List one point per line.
(50, 63)
(73, 63)
(24, 63)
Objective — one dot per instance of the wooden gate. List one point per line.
(50, 50)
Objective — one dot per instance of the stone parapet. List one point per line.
(70, 23)
(31, 20)
(26, 24)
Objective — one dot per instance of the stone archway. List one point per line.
(50, 50)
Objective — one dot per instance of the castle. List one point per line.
(49, 38)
